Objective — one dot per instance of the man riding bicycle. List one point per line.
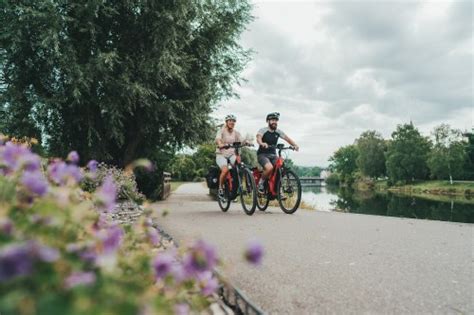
(267, 138)
(227, 135)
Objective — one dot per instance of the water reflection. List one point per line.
(388, 204)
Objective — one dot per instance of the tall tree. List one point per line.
(407, 154)
(469, 165)
(448, 156)
(371, 158)
(204, 157)
(343, 161)
(117, 80)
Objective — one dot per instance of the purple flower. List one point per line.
(89, 255)
(254, 253)
(111, 238)
(153, 236)
(106, 195)
(6, 226)
(86, 252)
(15, 260)
(201, 257)
(178, 272)
(18, 259)
(45, 253)
(30, 162)
(208, 283)
(13, 157)
(79, 278)
(73, 157)
(92, 166)
(181, 309)
(35, 182)
(162, 265)
(62, 173)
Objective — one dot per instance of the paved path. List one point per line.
(325, 262)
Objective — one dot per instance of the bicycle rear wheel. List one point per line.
(289, 191)
(248, 191)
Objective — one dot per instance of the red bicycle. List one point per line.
(283, 184)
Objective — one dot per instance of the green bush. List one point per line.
(126, 182)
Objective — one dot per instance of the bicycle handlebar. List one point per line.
(236, 145)
(282, 147)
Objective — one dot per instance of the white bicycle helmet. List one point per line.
(273, 115)
(230, 117)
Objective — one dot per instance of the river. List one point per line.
(389, 204)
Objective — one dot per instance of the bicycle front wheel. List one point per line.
(248, 192)
(289, 191)
(224, 202)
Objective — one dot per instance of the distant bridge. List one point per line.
(312, 181)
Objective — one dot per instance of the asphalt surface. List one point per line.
(327, 262)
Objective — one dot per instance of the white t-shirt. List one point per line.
(227, 138)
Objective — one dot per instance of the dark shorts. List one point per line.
(267, 158)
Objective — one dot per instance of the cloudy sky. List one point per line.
(334, 69)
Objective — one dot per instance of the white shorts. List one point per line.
(222, 161)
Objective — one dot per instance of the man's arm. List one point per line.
(291, 142)
(260, 141)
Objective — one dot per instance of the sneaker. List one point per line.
(261, 187)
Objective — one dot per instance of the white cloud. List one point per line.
(337, 68)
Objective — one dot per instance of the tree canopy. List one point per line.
(371, 158)
(117, 80)
(407, 154)
(344, 162)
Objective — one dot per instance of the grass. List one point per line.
(175, 185)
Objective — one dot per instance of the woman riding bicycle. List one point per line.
(268, 136)
(227, 135)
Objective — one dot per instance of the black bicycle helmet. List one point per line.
(273, 115)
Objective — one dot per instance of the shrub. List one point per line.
(125, 181)
(60, 254)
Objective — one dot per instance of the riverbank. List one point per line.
(430, 187)
(437, 187)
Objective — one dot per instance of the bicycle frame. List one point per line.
(273, 179)
(238, 165)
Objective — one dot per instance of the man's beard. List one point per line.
(273, 126)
